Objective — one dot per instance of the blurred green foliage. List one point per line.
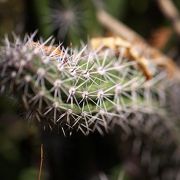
(19, 143)
(73, 20)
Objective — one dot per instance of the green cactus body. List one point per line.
(83, 89)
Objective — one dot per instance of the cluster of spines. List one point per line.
(154, 141)
(77, 88)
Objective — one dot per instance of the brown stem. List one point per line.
(137, 42)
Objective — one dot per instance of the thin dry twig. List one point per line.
(41, 163)
(170, 11)
(116, 26)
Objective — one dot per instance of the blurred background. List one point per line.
(70, 22)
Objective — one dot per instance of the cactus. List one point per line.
(75, 89)
(85, 90)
